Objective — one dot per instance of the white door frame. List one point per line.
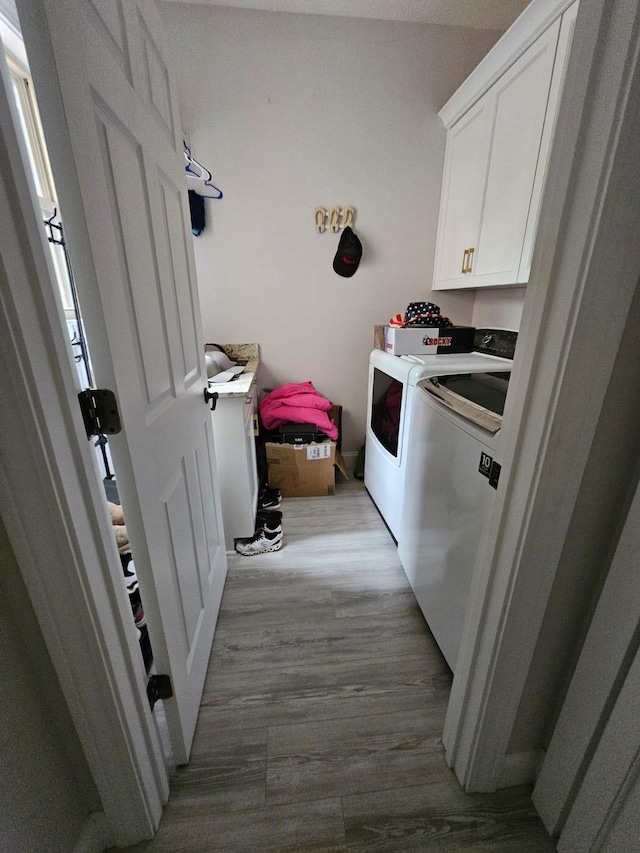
(593, 760)
(56, 518)
(583, 279)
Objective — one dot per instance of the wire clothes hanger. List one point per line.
(196, 172)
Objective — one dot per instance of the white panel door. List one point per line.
(110, 116)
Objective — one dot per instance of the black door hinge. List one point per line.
(99, 412)
(158, 687)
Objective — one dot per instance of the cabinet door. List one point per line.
(520, 101)
(565, 38)
(465, 171)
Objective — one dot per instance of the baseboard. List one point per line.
(95, 836)
(520, 768)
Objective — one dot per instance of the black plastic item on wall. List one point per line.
(349, 253)
(196, 207)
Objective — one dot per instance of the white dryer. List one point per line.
(387, 450)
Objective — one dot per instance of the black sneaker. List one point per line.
(128, 568)
(270, 517)
(269, 498)
(139, 618)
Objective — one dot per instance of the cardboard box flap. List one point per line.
(339, 463)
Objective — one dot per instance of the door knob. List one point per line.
(211, 396)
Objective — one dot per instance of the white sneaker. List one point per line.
(263, 542)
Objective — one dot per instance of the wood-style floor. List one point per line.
(323, 709)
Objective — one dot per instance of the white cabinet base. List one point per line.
(234, 421)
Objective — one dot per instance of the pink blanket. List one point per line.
(299, 404)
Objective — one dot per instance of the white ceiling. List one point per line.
(479, 14)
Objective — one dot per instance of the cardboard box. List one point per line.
(303, 470)
(415, 341)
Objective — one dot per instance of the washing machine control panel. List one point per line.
(498, 342)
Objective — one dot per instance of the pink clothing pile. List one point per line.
(299, 404)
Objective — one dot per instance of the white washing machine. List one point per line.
(387, 451)
(453, 439)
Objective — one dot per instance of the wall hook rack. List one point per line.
(333, 218)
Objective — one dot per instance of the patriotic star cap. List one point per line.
(348, 255)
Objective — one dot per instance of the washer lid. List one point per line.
(488, 390)
(477, 397)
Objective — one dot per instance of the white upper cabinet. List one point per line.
(518, 102)
(565, 38)
(467, 161)
(496, 157)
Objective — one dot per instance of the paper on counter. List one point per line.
(226, 375)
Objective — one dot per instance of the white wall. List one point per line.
(45, 787)
(498, 307)
(291, 112)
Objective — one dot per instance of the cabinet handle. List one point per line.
(211, 397)
(469, 259)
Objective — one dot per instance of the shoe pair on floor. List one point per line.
(269, 498)
(268, 535)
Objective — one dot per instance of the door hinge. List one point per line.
(99, 412)
(158, 687)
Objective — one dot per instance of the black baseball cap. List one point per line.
(348, 255)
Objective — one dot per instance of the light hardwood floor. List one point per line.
(323, 709)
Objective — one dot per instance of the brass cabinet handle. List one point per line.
(470, 259)
(464, 261)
